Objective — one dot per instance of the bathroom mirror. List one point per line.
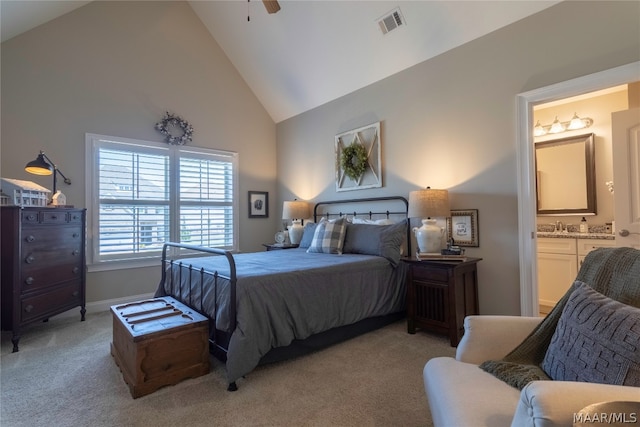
(565, 176)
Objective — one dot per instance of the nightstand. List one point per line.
(278, 246)
(440, 294)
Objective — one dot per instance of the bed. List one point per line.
(345, 279)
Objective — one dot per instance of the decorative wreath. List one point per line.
(354, 161)
(171, 121)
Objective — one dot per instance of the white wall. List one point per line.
(450, 122)
(114, 68)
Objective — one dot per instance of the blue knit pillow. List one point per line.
(597, 340)
(328, 237)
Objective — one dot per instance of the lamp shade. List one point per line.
(295, 210)
(429, 203)
(39, 166)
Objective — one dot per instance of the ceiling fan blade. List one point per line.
(272, 6)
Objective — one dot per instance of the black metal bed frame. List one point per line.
(219, 340)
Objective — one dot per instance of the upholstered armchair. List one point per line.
(461, 393)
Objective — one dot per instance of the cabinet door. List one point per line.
(556, 273)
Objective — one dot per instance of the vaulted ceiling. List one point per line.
(311, 52)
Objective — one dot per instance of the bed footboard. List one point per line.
(218, 340)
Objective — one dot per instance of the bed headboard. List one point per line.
(396, 207)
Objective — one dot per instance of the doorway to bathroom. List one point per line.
(528, 221)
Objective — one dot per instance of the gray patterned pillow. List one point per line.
(597, 340)
(328, 237)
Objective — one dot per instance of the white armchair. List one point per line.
(461, 394)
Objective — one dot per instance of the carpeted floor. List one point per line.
(64, 375)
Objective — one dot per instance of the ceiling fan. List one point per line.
(272, 6)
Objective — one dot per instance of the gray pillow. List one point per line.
(307, 235)
(380, 240)
(597, 340)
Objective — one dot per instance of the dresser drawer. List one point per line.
(43, 239)
(50, 303)
(39, 278)
(53, 216)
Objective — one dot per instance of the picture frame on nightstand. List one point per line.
(462, 227)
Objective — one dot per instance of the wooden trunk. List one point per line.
(159, 342)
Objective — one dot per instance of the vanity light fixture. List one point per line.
(557, 126)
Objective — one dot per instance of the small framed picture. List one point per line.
(258, 204)
(463, 227)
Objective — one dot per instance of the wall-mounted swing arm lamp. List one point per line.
(43, 165)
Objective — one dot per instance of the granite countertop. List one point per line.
(574, 235)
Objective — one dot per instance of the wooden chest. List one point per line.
(159, 342)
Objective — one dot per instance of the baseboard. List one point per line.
(104, 305)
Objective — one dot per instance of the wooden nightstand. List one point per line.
(440, 294)
(278, 246)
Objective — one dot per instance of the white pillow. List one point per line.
(385, 221)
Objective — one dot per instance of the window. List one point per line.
(141, 194)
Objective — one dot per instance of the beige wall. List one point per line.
(114, 68)
(450, 122)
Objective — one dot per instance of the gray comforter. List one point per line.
(290, 294)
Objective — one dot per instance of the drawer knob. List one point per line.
(28, 308)
(75, 252)
(29, 259)
(75, 293)
(29, 280)
(31, 217)
(54, 216)
(30, 239)
(76, 235)
(75, 270)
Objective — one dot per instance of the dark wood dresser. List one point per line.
(43, 264)
(440, 294)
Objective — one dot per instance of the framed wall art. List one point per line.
(258, 204)
(358, 164)
(462, 227)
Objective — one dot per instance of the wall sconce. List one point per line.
(296, 211)
(557, 126)
(428, 204)
(43, 165)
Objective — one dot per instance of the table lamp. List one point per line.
(429, 204)
(296, 211)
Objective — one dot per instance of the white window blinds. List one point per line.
(147, 193)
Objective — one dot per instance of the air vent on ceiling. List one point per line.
(391, 21)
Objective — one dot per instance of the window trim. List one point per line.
(92, 144)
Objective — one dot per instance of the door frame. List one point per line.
(526, 165)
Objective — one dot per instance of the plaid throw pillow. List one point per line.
(328, 237)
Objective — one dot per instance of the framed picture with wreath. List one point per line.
(258, 204)
(358, 164)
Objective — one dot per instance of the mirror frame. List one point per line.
(590, 173)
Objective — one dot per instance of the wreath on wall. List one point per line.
(172, 123)
(353, 161)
